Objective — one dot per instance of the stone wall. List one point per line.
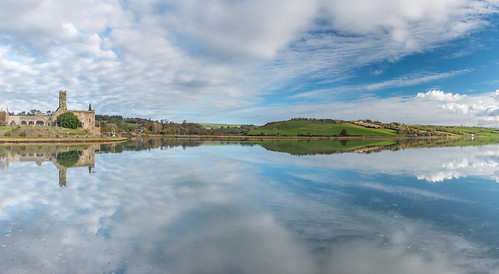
(31, 120)
(87, 119)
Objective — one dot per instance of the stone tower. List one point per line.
(62, 100)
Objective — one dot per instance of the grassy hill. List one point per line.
(479, 131)
(329, 127)
(319, 128)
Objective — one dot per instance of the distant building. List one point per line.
(86, 117)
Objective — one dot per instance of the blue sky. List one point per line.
(255, 61)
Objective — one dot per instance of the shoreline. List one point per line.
(23, 140)
(269, 137)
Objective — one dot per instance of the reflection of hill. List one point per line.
(312, 147)
(299, 147)
(62, 156)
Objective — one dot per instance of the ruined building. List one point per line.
(86, 117)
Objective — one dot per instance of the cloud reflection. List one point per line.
(429, 164)
(235, 209)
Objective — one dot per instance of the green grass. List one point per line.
(476, 131)
(315, 128)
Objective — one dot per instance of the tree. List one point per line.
(68, 120)
(343, 132)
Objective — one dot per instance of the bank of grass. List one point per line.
(317, 128)
(23, 140)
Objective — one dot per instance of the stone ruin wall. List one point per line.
(27, 120)
(87, 119)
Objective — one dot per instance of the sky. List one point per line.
(255, 61)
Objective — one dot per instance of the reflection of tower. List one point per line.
(62, 100)
(4, 164)
(62, 176)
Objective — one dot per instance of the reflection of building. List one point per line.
(63, 157)
(86, 117)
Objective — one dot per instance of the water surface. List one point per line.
(167, 206)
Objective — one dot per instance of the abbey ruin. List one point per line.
(86, 117)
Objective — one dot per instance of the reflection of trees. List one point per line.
(68, 158)
(298, 147)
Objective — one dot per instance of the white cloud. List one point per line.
(238, 28)
(440, 96)
(186, 59)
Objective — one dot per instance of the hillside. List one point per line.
(319, 127)
(329, 127)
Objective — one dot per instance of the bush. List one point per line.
(68, 120)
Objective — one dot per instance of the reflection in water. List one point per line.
(62, 156)
(325, 146)
(170, 206)
(303, 147)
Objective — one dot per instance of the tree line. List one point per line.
(116, 124)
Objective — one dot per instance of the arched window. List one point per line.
(24, 123)
(12, 123)
(39, 123)
(31, 123)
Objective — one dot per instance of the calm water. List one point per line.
(162, 206)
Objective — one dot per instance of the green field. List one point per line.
(316, 128)
(480, 131)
